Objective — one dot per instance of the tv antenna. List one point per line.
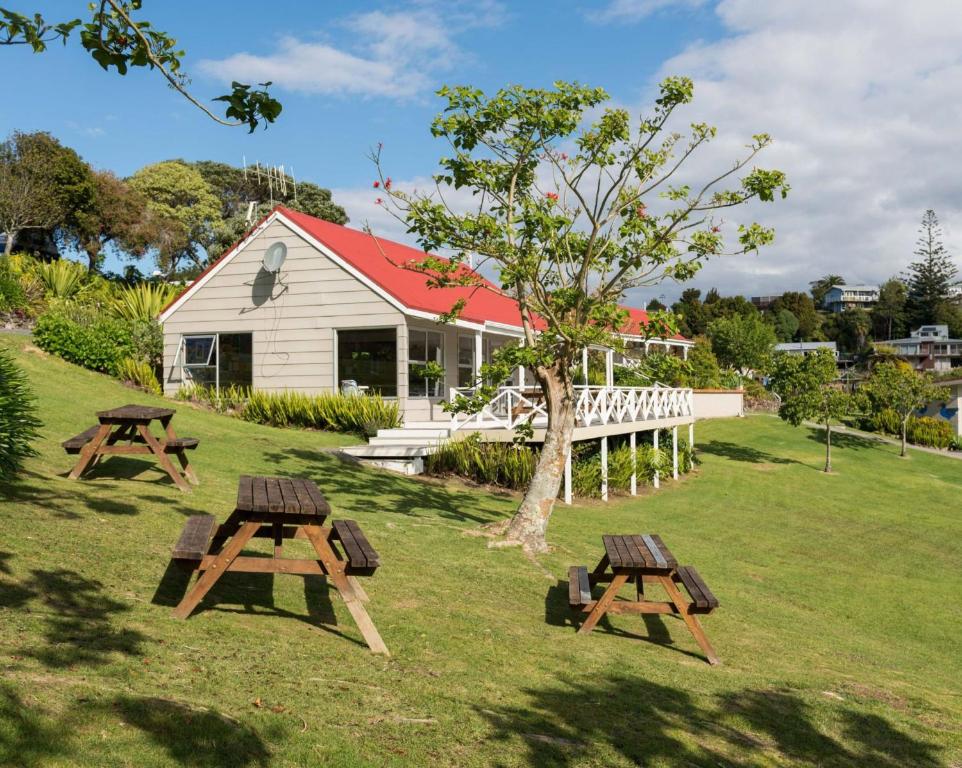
(278, 178)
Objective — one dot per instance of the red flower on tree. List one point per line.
(387, 183)
(379, 201)
(552, 195)
(377, 184)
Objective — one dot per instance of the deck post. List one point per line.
(691, 436)
(568, 475)
(604, 469)
(609, 368)
(478, 356)
(655, 479)
(584, 364)
(674, 452)
(634, 463)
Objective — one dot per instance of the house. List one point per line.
(807, 347)
(949, 409)
(303, 304)
(843, 297)
(929, 348)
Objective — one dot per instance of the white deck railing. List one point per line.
(595, 406)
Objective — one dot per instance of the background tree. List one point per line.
(691, 313)
(853, 326)
(117, 215)
(930, 279)
(822, 286)
(743, 342)
(236, 189)
(806, 384)
(704, 371)
(655, 306)
(786, 325)
(894, 385)
(43, 185)
(114, 38)
(803, 307)
(888, 315)
(185, 211)
(569, 214)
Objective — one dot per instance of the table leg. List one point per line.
(278, 539)
(188, 469)
(335, 571)
(617, 582)
(89, 451)
(224, 531)
(599, 569)
(217, 569)
(162, 458)
(694, 626)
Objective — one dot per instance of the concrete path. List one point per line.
(886, 439)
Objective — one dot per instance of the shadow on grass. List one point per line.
(384, 491)
(740, 452)
(79, 618)
(644, 722)
(190, 736)
(845, 440)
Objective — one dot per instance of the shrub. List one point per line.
(139, 373)
(503, 464)
(85, 337)
(956, 443)
(142, 302)
(934, 433)
(12, 295)
(887, 421)
(18, 421)
(361, 414)
(228, 400)
(61, 279)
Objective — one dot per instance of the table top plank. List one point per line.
(672, 562)
(660, 560)
(638, 552)
(646, 557)
(134, 414)
(260, 494)
(280, 496)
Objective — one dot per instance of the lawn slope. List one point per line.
(839, 630)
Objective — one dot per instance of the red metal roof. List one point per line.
(383, 262)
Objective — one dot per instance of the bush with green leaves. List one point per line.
(955, 444)
(229, 400)
(18, 420)
(934, 433)
(140, 374)
(503, 464)
(358, 414)
(141, 302)
(886, 421)
(12, 295)
(85, 337)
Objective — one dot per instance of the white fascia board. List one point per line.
(204, 279)
(503, 328)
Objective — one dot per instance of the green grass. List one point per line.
(839, 630)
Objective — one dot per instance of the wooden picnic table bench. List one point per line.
(126, 430)
(280, 508)
(643, 559)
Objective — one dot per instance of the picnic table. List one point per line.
(280, 508)
(126, 430)
(644, 560)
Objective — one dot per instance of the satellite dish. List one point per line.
(274, 256)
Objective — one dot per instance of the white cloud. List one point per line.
(635, 10)
(864, 100)
(393, 54)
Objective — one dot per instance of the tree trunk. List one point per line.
(828, 446)
(8, 245)
(530, 523)
(905, 423)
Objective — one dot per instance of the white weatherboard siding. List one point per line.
(293, 329)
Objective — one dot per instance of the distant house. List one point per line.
(843, 297)
(949, 409)
(764, 302)
(929, 348)
(807, 347)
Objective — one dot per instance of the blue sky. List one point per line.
(866, 137)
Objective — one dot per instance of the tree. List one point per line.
(114, 38)
(691, 313)
(116, 215)
(786, 325)
(561, 211)
(743, 342)
(894, 385)
(888, 315)
(43, 185)
(186, 212)
(237, 189)
(931, 278)
(802, 306)
(822, 286)
(852, 329)
(806, 384)
(704, 372)
(655, 306)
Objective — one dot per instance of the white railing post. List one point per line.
(634, 464)
(604, 469)
(674, 452)
(568, 476)
(655, 480)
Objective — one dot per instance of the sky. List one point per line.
(862, 97)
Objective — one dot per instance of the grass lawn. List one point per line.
(839, 632)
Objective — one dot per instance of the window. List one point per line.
(218, 359)
(466, 377)
(369, 357)
(424, 347)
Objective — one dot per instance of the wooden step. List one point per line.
(361, 556)
(195, 538)
(579, 588)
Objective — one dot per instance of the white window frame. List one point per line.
(441, 350)
(215, 347)
(337, 352)
(472, 367)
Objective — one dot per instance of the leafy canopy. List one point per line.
(806, 384)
